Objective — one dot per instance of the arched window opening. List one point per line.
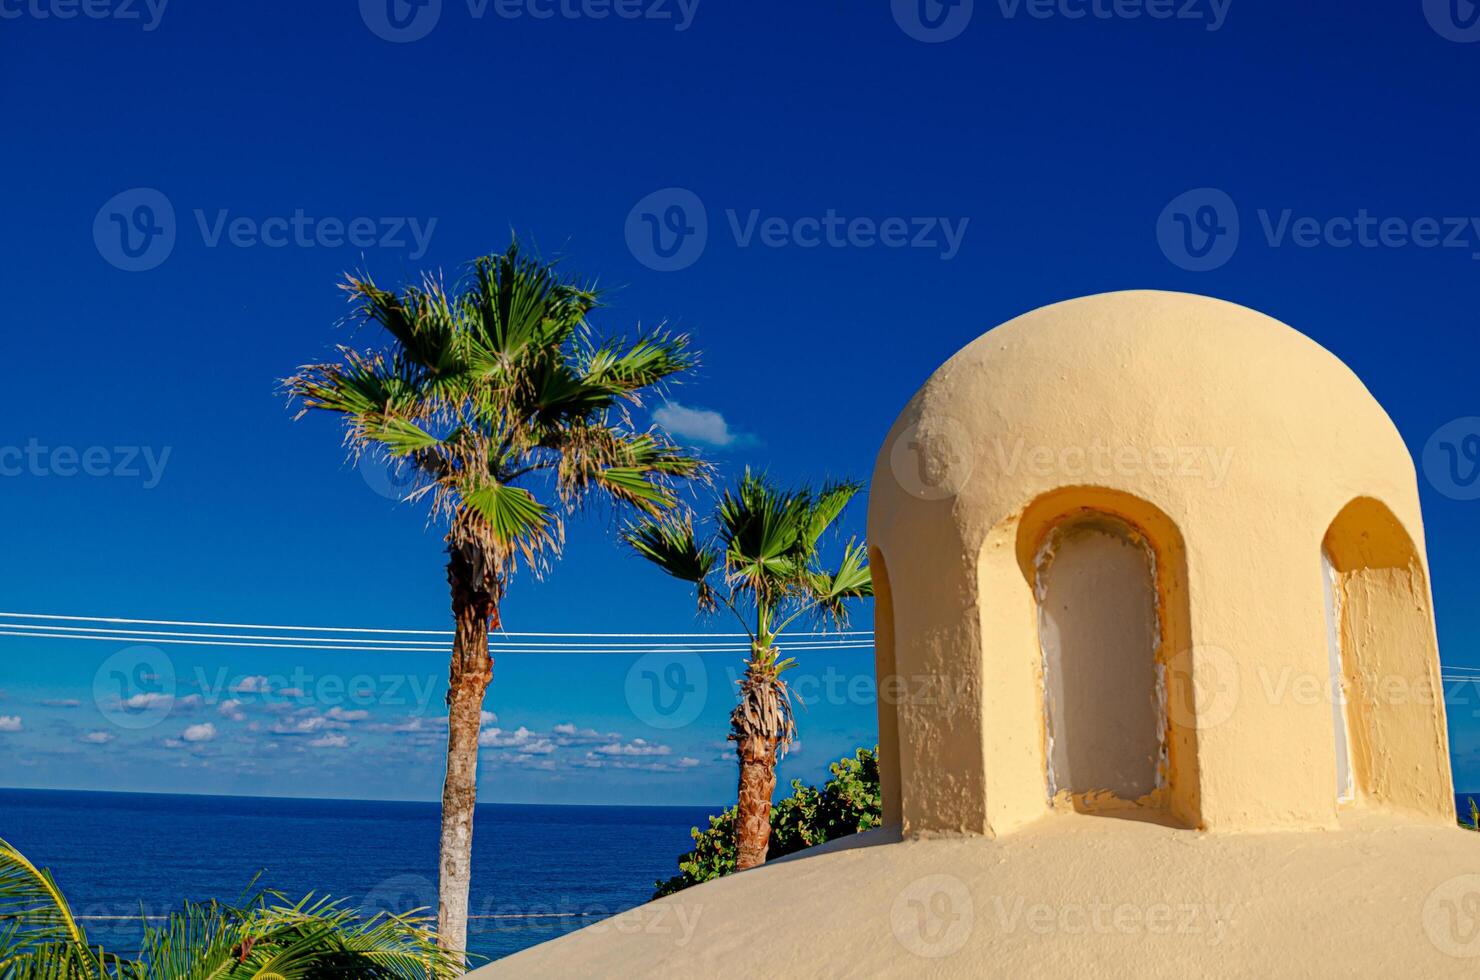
(1388, 661)
(1099, 631)
(887, 684)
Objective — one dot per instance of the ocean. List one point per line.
(538, 871)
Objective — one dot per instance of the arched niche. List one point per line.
(1131, 551)
(888, 688)
(1104, 695)
(1388, 661)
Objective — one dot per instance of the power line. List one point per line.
(275, 646)
(361, 629)
(431, 644)
(284, 643)
(439, 644)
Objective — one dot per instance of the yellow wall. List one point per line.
(1232, 443)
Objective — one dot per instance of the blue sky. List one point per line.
(859, 192)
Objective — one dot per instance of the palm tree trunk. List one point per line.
(757, 784)
(474, 609)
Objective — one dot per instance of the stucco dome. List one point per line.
(1171, 384)
(1233, 445)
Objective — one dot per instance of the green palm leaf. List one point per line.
(497, 391)
(33, 912)
(513, 516)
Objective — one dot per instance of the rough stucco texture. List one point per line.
(1232, 442)
(1072, 896)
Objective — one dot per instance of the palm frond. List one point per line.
(672, 545)
(623, 370)
(514, 520)
(421, 320)
(519, 304)
(826, 507)
(499, 383)
(852, 580)
(760, 528)
(33, 911)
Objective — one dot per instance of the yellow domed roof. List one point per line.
(1237, 451)
(1156, 392)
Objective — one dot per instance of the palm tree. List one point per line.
(762, 562)
(487, 395)
(262, 937)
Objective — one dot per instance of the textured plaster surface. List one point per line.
(1232, 443)
(1072, 896)
(1099, 635)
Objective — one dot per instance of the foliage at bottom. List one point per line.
(849, 802)
(264, 937)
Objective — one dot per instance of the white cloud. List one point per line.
(62, 703)
(412, 725)
(568, 734)
(148, 699)
(329, 741)
(10, 723)
(256, 684)
(522, 739)
(594, 761)
(232, 708)
(337, 713)
(303, 726)
(698, 425)
(186, 704)
(199, 733)
(96, 738)
(637, 746)
(488, 718)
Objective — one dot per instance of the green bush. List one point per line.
(848, 803)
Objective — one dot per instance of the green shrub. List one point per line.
(849, 802)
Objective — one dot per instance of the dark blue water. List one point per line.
(115, 853)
